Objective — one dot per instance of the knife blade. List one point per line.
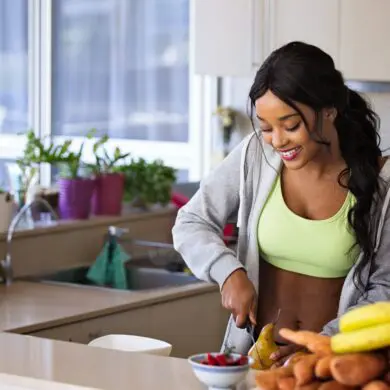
(250, 328)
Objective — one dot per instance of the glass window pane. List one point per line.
(121, 66)
(6, 181)
(13, 66)
(182, 175)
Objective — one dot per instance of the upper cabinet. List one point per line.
(233, 37)
(310, 21)
(364, 31)
(227, 36)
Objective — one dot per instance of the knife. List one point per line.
(250, 328)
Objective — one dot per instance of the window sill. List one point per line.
(70, 225)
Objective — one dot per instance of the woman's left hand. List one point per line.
(284, 353)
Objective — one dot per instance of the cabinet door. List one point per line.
(128, 322)
(191, 324)
(226, 36)
(364, 30)
(70, 332)
(310, 21)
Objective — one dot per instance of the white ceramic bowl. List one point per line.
(219, 377)
(132, 343)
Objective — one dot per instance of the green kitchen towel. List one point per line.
(110, 273)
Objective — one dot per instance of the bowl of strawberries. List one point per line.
(220, 370)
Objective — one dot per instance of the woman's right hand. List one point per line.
(239, 296)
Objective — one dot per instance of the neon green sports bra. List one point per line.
(315, 248)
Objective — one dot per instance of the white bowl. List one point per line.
(219, 377)
(132, 343)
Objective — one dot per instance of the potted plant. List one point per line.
(37, 152)
(108, 194)
(75, 190)
(52, 154)
(147, 184)
(29, 167)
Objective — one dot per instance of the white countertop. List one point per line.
(68, 366)
(26, 307)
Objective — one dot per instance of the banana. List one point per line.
(368, 339)
(365, 317)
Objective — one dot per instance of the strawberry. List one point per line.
(242, 360)
(212, 361)
(221, 358)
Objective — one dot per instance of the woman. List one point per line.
(309, 193)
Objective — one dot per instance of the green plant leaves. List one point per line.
(148, 183)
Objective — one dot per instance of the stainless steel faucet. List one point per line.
(115, 231)
(6, 263)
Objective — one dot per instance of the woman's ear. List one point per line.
(330, 114)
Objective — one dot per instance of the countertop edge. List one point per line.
(173, 293)
(66, 225)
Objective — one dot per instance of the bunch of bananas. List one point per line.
(366, 328)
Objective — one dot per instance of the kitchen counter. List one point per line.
(49, 361)
(26, 306)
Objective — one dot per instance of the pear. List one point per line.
(267, 345)
(264, 347)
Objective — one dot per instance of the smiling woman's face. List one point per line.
(283, 128)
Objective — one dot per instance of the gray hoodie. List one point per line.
(236, 191)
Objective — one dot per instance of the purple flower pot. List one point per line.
(75, 198)
(108, 195)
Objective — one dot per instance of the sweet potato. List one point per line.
(266, 382)
(357, 369)
(376, 385)
(304, 369)
(310, 386)
(386, 377)
(314, 342)
(294, 358)
(334, 385)
(321, 348)
(322, 368)
(268, 379)
(286, 383)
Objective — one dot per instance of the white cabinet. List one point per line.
(310, 21)
(364, 31)
(226, 36)
(192, 324)
(233, 37)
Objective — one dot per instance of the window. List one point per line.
(120, 66)
(13, 66)
(13, 80)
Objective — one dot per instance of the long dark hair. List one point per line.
(302, 73)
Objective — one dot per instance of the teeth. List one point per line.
(289, 153)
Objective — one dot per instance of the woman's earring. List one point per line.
(331, 115)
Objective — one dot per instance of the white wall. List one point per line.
(236, 95)
(381, 104)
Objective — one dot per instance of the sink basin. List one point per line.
(138, 278)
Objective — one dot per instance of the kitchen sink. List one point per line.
(138, 278)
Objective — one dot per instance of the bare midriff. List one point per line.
(305, 302)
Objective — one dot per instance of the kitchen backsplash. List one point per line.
(237, 97)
